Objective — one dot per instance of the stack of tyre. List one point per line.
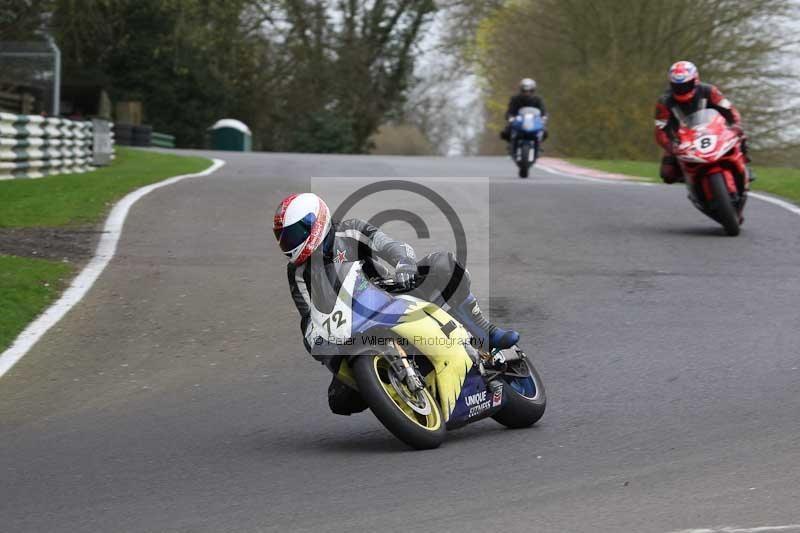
(123, 133)
(130, 135)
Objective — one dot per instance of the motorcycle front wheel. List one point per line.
(722, 205)
(414, 418)
(527, 156)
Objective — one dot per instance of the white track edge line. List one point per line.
(776, 201)
(105, 251)
(758, 529)
(595, 180)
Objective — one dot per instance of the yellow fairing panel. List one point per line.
(434, 333)
(345, 375)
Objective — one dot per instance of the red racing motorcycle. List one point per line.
(710, 155)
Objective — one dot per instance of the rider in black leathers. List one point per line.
(526, 97)
(357, 240)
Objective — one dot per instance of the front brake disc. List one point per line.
(420, 404)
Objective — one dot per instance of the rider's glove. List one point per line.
(737, 129)
(405, 274)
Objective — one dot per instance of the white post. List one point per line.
(56, 76)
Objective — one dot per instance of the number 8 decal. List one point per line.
(706, 143)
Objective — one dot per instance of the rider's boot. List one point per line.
(486, 334)
(344, 400)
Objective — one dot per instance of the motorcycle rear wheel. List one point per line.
(723, 206)
(379, 388)
(526, 400)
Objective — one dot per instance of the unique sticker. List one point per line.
(478, 403)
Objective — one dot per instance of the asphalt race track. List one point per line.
(177, 397)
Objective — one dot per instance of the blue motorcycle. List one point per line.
(527, 132)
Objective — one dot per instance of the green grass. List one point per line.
(639, 169)
(780, 181)
(776, 180)
(74, 199)
(27, 286)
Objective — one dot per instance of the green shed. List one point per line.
(231, 134)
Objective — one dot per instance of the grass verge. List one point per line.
(74, 199)
(639, 169)
(781, 181)
(28, 285)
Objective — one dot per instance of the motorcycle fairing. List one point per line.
(427, 327)
(358, 307)
(528, 124)
(373, 307)
(708, 146)
(335, 325)
(442, 340)
(468, 409)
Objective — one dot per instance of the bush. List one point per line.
(400, 139)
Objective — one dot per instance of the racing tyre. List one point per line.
(723, 206)
(524, 162)
(415, 419)
(525, 396)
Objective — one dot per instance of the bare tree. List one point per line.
(352, 65)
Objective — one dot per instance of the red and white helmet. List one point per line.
(301, 223)
(683, 80)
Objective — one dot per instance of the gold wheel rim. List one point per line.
(430, 422)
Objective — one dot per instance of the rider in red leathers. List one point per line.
(685, 96)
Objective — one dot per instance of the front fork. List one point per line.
(406, 370)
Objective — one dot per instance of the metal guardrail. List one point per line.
(32, 146)
(162, 140)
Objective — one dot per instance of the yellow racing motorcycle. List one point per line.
(415, 367)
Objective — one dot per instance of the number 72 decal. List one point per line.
(337, 317)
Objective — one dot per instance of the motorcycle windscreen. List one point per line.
(375, 307)
(531, 119)
(702, 118)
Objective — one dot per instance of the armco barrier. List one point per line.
(32, 146)
(133, 135)
(141, 135)
(162, 140)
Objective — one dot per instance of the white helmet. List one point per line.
(527, 84)
(301, 224)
